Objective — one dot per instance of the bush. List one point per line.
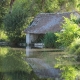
(50, 40)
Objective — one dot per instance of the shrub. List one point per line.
(50, 40)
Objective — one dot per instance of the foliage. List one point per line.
(4, 5)
(77, 21)
(9, 59)
(74, 48)
(78, 5)
(50, 40)
(67, 66)
(66, 5)
(69, 32)
(15, 20)
(12, 65)
(3, 36)
(3, 10)
(20, 14)
(68, 72)
(54, 5)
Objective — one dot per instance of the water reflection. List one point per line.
(66, 63)
(14, 67)
(28, 51)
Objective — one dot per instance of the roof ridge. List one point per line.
(57, 13)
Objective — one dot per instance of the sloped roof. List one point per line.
(48, 22)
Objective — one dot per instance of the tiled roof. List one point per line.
(48, 22)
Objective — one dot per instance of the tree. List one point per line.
(4, 5)
(3, 9)
(69, 32)
(23, 11)
(55, 5)
(15, 20)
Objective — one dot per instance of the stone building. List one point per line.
(44, 23)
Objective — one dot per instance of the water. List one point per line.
(14, 67)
